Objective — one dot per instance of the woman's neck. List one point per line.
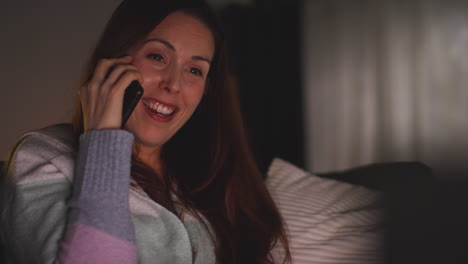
(150, 156)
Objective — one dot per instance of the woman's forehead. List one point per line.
(179, 30)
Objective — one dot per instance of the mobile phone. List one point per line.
(132, 95)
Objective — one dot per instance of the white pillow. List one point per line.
(327, 221)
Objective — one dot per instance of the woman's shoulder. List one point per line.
(38, 149)
(59, 135)
(47, 142)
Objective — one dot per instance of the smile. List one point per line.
(159, 108)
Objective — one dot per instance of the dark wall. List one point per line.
(264, 47)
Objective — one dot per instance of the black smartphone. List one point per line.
(132, 95)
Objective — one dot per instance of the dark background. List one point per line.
(265, 55)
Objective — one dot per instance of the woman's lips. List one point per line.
(158, 110)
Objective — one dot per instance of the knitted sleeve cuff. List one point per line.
(101, 182)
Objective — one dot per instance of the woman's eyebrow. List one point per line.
(164, 42)
(201, 58)
(169, 46)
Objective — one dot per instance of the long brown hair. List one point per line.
(208, 160)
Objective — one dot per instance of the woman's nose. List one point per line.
(172, 80)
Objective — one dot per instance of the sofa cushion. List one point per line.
(385, 176)
(327, 221)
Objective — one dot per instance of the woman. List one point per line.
(177, 185)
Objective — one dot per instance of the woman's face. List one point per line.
(174, 60)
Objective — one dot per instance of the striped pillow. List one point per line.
(327, 221)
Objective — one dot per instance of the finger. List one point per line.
(93, 87)
(116, 94)
(102, 70)
(104, 66)
(118, 70)
(116, 74)
(111, 117)
(118, 89)
(113, 90)
(111, 104)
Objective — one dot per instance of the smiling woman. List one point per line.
(178, 184)
(173, 60)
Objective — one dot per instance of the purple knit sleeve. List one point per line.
(99, 228)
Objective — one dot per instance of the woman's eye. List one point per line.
(156, 57)
(196, 71)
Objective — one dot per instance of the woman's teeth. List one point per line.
(159, 108)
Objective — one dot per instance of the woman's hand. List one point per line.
(102, 96)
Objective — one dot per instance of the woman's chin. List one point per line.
(150, 142)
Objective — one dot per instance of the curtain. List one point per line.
(385, 81)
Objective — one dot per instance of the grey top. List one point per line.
(61, 192)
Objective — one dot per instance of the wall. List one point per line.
(386, 81)
(44, 46)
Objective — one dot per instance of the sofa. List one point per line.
(337, 217)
